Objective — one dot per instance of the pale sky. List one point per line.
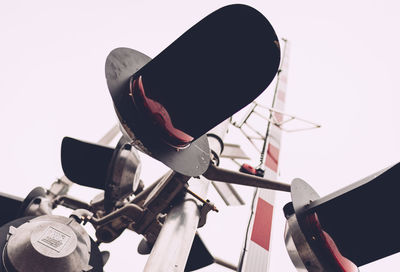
(343, 75)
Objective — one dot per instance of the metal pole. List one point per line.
(109, 136)
(172, 247)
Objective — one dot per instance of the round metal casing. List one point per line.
(302, 256)
(123, 176)
(121, 64)
(48, 243)
(130, 165)
(296, 240)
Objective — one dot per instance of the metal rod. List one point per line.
(261, 116)
(71, 202)
(141, 197)
(228, 193)
(225, 264)
(254, 130)
(109, 136)
(219, 174)
(199, 198)
(251, 141)
(247, 116)
(297, 130)
(289, 115)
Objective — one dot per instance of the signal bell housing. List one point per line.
(47, 243)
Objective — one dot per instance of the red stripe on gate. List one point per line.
(278, 117)
(272, 158)
(261, 233)
(281, 95)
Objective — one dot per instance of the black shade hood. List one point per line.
(85, 163)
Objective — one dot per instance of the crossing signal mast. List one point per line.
(171, 108)
(267, 142)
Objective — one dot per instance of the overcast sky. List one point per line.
(343, 74)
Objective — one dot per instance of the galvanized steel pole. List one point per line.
(172, 248)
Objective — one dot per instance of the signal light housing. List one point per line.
(309, 246)
(184, 89)
(157, 116)
(347, 229)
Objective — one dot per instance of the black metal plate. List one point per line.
(85, 163)
(362, 218)
(199, 255)
(9, 207)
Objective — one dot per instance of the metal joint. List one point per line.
(205, 208)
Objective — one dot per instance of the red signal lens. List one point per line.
(328, 247)
(248, 169)
(157, 116)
